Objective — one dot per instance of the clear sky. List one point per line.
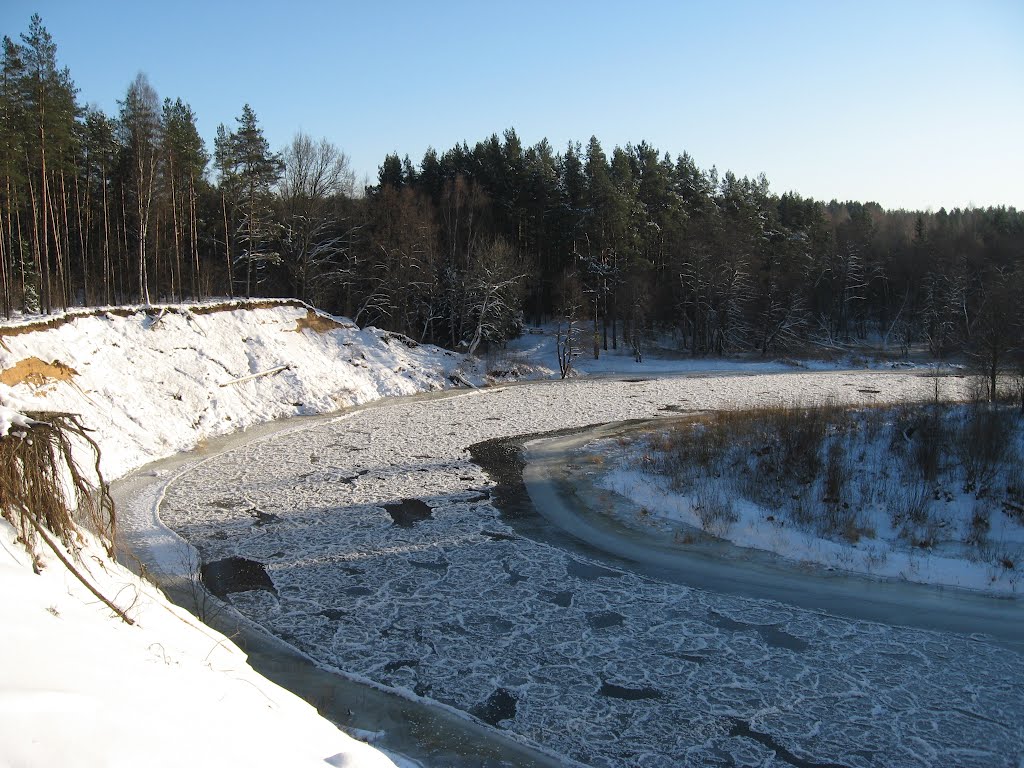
(910, 104)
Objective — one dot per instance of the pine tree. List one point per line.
(98, 163)
(47, 95)
(257, 169)
(140, 128)
(227, 183)
(13, 150)
(184, 160)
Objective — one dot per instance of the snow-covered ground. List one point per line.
(870, 544)
(79, 687)
(601, 665)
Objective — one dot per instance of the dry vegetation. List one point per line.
(42, 484)
(841, 473)
(46, 495)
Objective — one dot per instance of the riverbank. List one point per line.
(410, 730)
(564, 486)
(582, 653)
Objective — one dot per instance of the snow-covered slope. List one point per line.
(151, 383)
(80, 687)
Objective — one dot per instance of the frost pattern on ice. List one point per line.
(606, 667)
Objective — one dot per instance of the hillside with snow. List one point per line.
(153, 382)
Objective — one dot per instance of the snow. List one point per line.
(476, 604)
(879, 552)
(12, 412)
(154, 383)
(77, 686)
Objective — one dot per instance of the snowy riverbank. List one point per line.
(154, 382)
(885, 522)
(77, 684)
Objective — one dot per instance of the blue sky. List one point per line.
(911, 104)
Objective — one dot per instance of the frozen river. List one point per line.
(384, 555)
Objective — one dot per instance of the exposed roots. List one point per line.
(38, 471)
(41, 484)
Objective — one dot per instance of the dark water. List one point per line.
(628, 694)
(408, 512)
(500, 705)
(235, 574)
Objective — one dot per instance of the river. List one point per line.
(585, 654)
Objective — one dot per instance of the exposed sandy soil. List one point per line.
(36, 372)
(316, 323)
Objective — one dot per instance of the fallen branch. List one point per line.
(460, 379)
(271, 372)
(67, 564)
(158, 318)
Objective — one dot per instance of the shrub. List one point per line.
(837, 473)
(714, 510)
(984, 444)
(977, 534)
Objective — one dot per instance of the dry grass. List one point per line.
(715, 510)
(830, 469)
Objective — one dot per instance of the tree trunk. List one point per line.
(6, 245)
(176, 229)
(43, 248)
(108, 278)
(83, 251)
(227, 244)
(37, 253)
(193, 244)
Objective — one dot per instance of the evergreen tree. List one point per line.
(185, 160)
(256, 170)
(98, 164)
(47, 96)
(140, 128)
(227, 183)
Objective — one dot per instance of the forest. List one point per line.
(466, 246)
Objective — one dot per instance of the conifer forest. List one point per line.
(466, 245)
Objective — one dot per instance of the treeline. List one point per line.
(465, 245)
